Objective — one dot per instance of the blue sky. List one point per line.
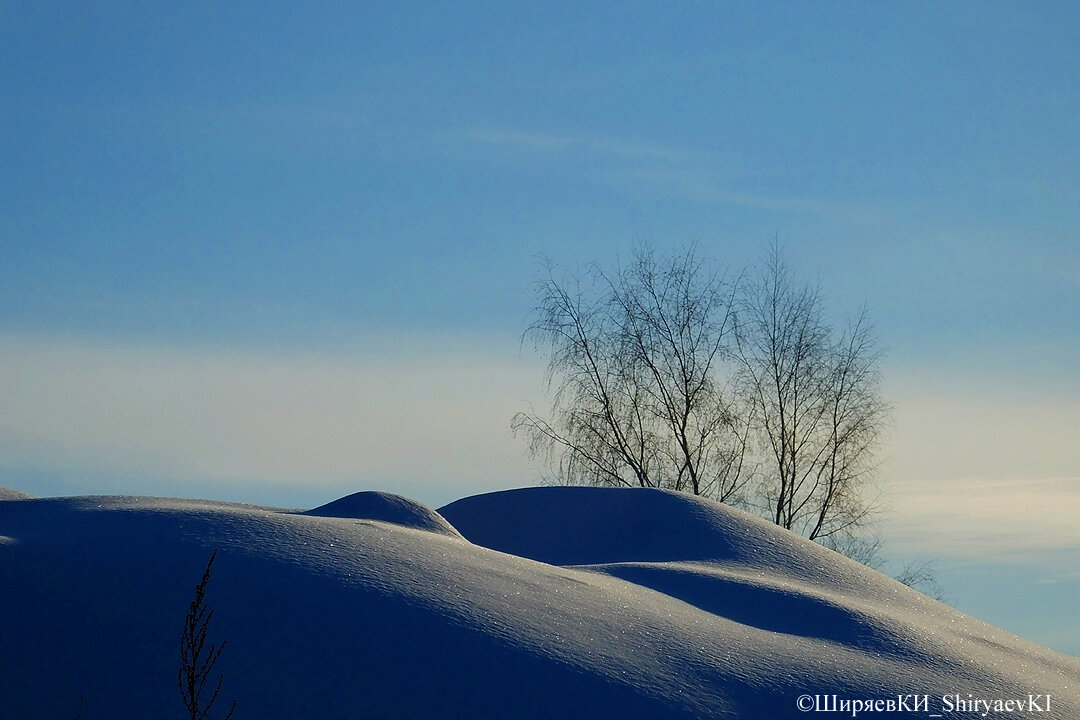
(277, 252)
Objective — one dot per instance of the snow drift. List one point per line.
(551, 602)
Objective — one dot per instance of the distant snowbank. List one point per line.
(386, 507)
(9, 494)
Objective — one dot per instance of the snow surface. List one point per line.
(562, 603)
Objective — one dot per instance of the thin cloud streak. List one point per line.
(611, 148)
(666, 171)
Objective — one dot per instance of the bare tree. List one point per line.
(638, 360)
(817, 404)
(197, 659)
(922, 576)
(667, 373)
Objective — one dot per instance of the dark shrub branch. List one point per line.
(197, 658)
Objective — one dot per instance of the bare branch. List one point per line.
(197, 660)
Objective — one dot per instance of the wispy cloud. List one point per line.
(611, 148)
(670, 172)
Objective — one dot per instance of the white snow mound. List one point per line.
(386, 507)
(585, 603)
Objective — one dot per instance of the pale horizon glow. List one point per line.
(1006, 519)
(243, 417)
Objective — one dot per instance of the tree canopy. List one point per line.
(671, 372)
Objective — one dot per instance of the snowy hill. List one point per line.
(550, 603)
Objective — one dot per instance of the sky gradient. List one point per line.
(278, 252)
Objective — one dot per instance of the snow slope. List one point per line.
(561, 603)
